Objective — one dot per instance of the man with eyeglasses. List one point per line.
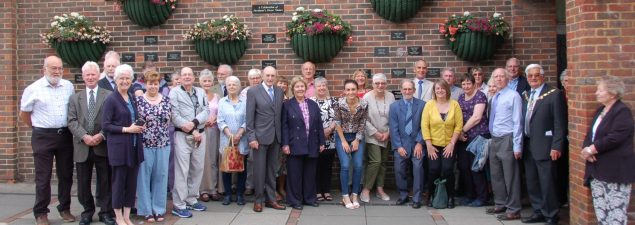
(43, 107)
(517, 81)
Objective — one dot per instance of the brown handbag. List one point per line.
(232, 161)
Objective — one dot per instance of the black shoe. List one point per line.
(227, 200)
(535, 218)
(416, 205)
(240, 200)
(552, 221)
(298, 207)
(451, 203)
(315, 204)
(85, 221)
(401, 201)
(108, 220)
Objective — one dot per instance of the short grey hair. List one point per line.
(448, 69)
(112, 54)
(206, 74)
(534, 66)
(614, 85)
(254, 73)
(563, 75)
(233, 79)
(229, 68)
(90, 65)
(320, 80)
(123, 68)
(403, 81)
(379, 76)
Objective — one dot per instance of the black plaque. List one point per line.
(127, 57)
(369, 73)
(382, 51)
(151, 56)
(79, 79)
(174, 56)
(268, 38)
(398, 35)
(397, 94)
(415, 50)
(398, 73)
(433, 73)
(269, 8)
(320, 73)
(266, 63)
(150, 40)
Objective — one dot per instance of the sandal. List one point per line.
(320, 197)
(328, 197)
(150, 219)
(204, 197)
(159, 217)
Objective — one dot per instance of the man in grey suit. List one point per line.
(84, 116)
(406, 140)
(222, 72)
(544, 131)
(264, 106)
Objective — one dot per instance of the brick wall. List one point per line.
(8, 57)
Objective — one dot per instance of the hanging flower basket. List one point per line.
(148, 13)
(475, 39)
(317, 35)
(221, 41)
(75, 39)
(396, 10)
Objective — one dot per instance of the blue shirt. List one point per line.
(513, 83)
(507, 113)
(232, 116)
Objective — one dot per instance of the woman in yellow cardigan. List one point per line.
(441, 124)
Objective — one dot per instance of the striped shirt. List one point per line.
(48, 104)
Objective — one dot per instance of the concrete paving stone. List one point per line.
(471, 221)
(248, 209)
(14, 204)
(207, 218)
(332, 210)
(395, 211)
(399, 220)
(331, 220)
(259, 219)
(218, 207)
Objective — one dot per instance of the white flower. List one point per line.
(64, 15)
(62, 19)
(294, 18)
(453, 15)
(295, 13)
(317, 10)
(496, 15)
(74, 14)
(225, 17)
(56, 17)
(228, 19)
(299, 9)
(53, 24)
(466, 13)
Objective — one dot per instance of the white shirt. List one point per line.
(426, 93)
(88, 94)
(48, 104)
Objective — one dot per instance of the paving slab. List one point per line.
(14, 204)
(260, 219)
(206, 218)
(395, 211)
(332, 210)
(399, 220)
(331, 220)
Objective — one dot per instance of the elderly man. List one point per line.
(84, 121)
(517, 81)
(544, 131)
(254, 76)
(264, 106)
(423, 86)
(107, 78)
(447, 74)
(505, 149)
(189, 114)
(406, 140)
(222, 72)
(43, 107)
(308, 73)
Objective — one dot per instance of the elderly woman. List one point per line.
(491, 89)
(359, 76)
(377, 137)
(139, 86)
(254, 78)
(209, 184)
(479, 79)
(124, 140)
(473, 103)
(441, 125)
(154, 110)
(302, 141)
(351, 114)
(231, 122)
(174, 82)
(325, 160)
(608, 152)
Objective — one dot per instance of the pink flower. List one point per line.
(319, 27)
(337, 28)
(349, 40)
(453, 30)
(442, 29)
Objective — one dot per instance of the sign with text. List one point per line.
(79, 79)
(397, 94)
(150, 40)
(415, 50)
(174, 56)
(320, 73)
(266, 63)
(398, 35)
(268, 38)
(127, 57)
(433, 73)
(369, 73)
(269, 8)
(398, 73)
(381, 51)
(151, 56)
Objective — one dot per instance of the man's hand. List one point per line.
(88, 140)
(518, 155)
(555, 154)
(253, 145)
(418, 151)
(197, 136)
(402, 152)
(187, 127)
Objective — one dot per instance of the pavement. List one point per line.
(17, 199)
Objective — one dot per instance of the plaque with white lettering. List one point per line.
(369, 73)
(151, 56)
(398, 35)
(415, 50)
(150, 40)
(174, 56)
(269, 8)
(266, 63)
(397, 94)
(127, 57)
(79, 79)
(398, 73)
(268, 38)
(433, 73)
(320, 73)
(382, 51)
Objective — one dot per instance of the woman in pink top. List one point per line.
(211, 182)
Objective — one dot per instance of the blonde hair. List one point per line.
(295, 80)
(444, 85)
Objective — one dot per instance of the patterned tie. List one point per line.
(91, 112)
(420, 90)
(408, 127)
(492, 114)
(530, 109)
(270, 91)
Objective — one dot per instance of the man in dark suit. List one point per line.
(544, 132)
(84, 121)
(264, 110)
(517, 81)
(111, 61)
(222, 72)
(406, 140)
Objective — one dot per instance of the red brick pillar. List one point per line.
(8, 90)
(601, 41)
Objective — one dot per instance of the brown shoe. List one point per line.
(42, 220)
(495, 210)
(215, 197)
(204, 197)
(509, 216)
(257, 207)
(67, 216)
(274, 205)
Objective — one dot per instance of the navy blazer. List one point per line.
(294, 129)
(523, 85)
(121, 151)
(397, 125)
(614, 143)
(105, 84)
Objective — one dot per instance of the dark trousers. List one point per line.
(240, 181)
(474, 183)
(49, 146)
(301, 179)
(84, 191)
(124, 186)
(441, 168)
(541, 184)
(324, 171)
(265, 163)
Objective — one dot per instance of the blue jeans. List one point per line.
(240, 182)
(152, 180)
(345, 160)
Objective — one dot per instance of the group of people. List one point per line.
(146, 136)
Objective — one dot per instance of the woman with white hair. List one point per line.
(377, 137)
(210, 183)
(325, 159)
(254, 77)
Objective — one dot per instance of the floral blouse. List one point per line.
(157, 121)
(351, 123)
(467, 106)
(328, 117)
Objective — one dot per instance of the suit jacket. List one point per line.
(216, 88)
(614, 143)
(121, 149)
(397, 124)
(105, 84)
(294, 129)
(264, 115)
(78, 123)
(523, 85)
(547, 125)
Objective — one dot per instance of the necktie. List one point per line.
(270, 91)
(91, 112)
(420, 90)
(408, 127)
(113, 85)
(530, 109)
(492, 114)
(224, 91)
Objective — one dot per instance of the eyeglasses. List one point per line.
(379, 83)
(54, 68)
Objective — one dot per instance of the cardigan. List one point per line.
(436, 129)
